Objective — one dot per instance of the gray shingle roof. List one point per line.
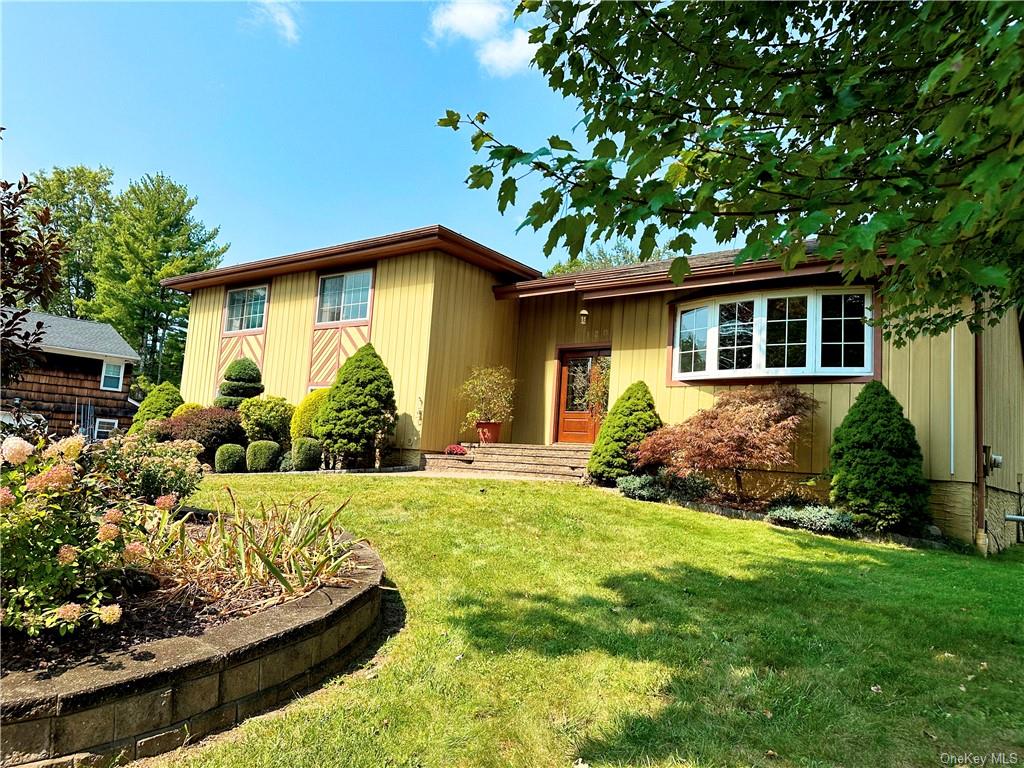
(84, 336)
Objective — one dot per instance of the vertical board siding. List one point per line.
(638, 329)
(468, 328)
(290, 308)
(403, 293)
(202, 345)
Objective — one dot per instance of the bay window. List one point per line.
(774, 333)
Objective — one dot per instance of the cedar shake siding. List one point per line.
(65, 390)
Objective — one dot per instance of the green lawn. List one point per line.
(548, 623)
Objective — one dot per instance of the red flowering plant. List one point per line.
(63, 532)
(751, 428)
(455, 450)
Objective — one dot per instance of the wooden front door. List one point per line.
(579, 417)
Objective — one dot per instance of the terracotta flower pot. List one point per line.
(488, 431)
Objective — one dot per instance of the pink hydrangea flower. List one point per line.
(6, 498)
(109, 614)
(108, 532)
(166, 503)
(16, 450)
(56, 478)
(135, 552)
(114, 516)
(67, 554)
(69, 612)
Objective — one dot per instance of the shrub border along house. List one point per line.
(158, 695)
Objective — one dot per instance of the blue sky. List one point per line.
(296, 125)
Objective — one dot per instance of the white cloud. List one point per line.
(503, 57)
(501, 52)
(477, 20)
(281, 15)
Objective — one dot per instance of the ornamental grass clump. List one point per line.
(246, 560)
(357, 418)
(631, 419)
(877, 465)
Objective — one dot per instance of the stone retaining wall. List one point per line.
(164, 693)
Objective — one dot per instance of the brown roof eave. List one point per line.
(398, 244)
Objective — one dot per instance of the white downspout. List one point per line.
(952, 402)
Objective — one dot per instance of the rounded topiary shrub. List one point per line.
(629, 421)
(267, 418)
(262, 456)
(285, 464)
(358, 415)
(242, 380)
(877, 466)
(302, 419)
(184, 408)
(307, 454)
(158, 404)
(230, 457)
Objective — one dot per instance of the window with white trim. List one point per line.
(808, 332)
(344, 298)
(246, 309)
(112, 376)
(103, 428)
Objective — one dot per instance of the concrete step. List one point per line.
(531, 457)
(521, 466)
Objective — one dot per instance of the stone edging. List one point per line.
(164, 693)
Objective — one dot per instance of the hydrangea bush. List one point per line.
(147, 469)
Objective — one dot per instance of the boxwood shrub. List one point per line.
(262, 456)
(184, 408)
(267, 418)
(230, 457)
(307, 454)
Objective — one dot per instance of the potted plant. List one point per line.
(488, 391)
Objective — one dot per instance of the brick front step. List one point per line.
(549, 462)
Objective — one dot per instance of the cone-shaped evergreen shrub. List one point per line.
(629, 421)
(356, 419)
(242, 380)
(877, 465)
(302, 419)
(158, 404)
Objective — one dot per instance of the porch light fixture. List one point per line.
(583, 316)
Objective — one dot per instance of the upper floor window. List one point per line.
(246, 309)
(774, 333)
(112, 376)
(344, 298)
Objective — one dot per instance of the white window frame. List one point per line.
(120, 377)
(96, 427)
(759, 368)
(227, 305)
(320, 292)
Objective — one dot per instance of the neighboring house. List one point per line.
(81, 383)
(435, 304)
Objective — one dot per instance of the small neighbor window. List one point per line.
(246, 309)
(104, 428)
(112, 376)
(344, 298)
(777, 333)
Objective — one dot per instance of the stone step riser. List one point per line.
(528, 452)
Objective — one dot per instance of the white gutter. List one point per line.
(86, 353)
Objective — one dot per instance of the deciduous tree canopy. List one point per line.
(880, 130)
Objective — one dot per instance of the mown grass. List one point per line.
(548, 623)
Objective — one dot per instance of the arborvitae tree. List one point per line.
(242, 379)
(630, 420)
(358, 415)
(876, 463)
(160, 403)
(302, 419)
